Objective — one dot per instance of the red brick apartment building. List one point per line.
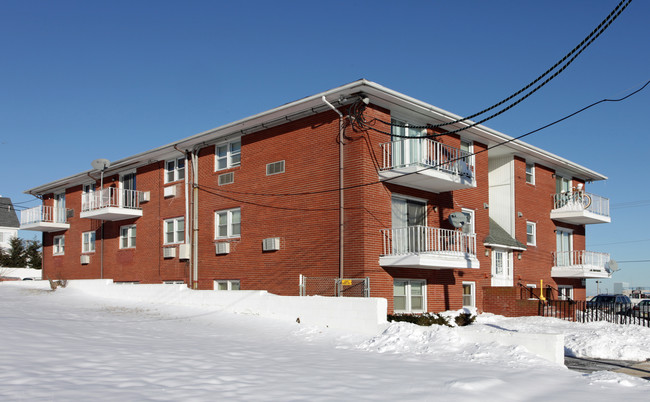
(355, 186)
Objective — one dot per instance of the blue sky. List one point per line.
(82, 80)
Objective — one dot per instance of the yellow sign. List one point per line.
(346, 282)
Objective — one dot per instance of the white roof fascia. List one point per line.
(378, 94)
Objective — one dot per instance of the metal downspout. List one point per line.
(195, 217)
(341, 205)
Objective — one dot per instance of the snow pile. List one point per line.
(599, 340)
(70, 345)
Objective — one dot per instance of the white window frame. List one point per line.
(232, 157)
(131, 236)
(408, 295)
(472, 295)
(230, 225)
(177, 238)
(569, 293)
(177, 173)
(88, 242)
(230, 284)
(531, 174)
(532, 234)
(58, 245)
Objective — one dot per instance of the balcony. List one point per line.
(580, 264)
(111, 204)
(44, 219)
(427, 165)
(428, 248)
(580, 208)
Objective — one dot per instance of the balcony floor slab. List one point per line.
(430, 261)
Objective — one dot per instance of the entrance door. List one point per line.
(564, 247)
(409, 225)
(501, 267)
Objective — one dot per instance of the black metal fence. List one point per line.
(584, 311)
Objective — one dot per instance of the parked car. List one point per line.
(642, 309)
(619, 304)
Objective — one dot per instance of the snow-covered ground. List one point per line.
(70, 345)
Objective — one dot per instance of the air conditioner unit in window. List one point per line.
(271, 244)
(145, 196)
(169, 252)
(222, 248)
(85, 259)
(184, 252)
(169, 191)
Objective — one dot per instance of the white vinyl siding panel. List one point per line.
(502, 192)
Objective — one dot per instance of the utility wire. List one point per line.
(577, 50)
(431, 167)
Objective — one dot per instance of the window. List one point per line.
(58, 245)
(565, 292)
(227, 285)
(274, 168)
(127, 236)
(227, 223)
(531, 233)
(409, 295)
(530, 173)
(174, 170)
(88, 242)
(562, 184)
(469, 294)
(228, 155)
(128, 181)
(174, 230)
(532, 291)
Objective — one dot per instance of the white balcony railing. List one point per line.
(110, 198)
(581, 264)
(580, 257)
(579, 201)
(422, 239)
(43, 213)
(427, 153)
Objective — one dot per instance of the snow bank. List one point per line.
(21, 273)
(366, 315)
(599, 340)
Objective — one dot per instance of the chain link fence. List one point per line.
(334, 287)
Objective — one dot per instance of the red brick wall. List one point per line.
(142, 264)
(505, 301)
(301, 207)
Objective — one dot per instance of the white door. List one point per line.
(59, 208)
(128, 194)
(501, 267)
(409, 225)
(406, 151)
(564, 247)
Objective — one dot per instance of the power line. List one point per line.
(590, 39)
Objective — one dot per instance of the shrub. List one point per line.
(428, 319)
